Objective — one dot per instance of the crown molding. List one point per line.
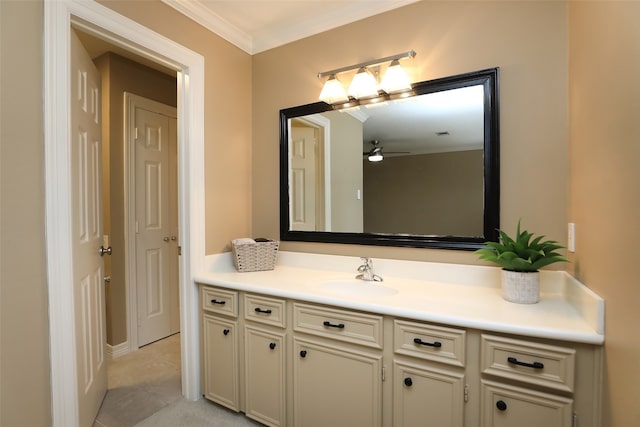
(213, 22)
(265, 40)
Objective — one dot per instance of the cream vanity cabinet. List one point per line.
(265, 351)
(337, 367)
(532, 382)
(289, 362)
(220, 346)
(428, 375)
(244, 350)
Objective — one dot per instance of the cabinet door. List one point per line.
(506, 406)
(335, 386)
(427, 396)
(220, 361)
(265, 376)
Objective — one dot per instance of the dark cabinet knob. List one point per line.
(226, 332)
(303, 353)
(272, 345)
(408, 382)
(501, 405)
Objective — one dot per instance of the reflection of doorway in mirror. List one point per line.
(307, 171)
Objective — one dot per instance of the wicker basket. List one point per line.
(254, 256)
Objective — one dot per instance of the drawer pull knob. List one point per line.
(333, 325)
(272, 345)
(259, 310)
(303, 353)
(501, 405)
(226, 332)
(534, 365)
(215, 301)
(408, 382)
(430, 344)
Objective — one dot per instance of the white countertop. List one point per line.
(452, 294)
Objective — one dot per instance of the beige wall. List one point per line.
(605, 184)
(227, 111)
(527, 40)
(24, 345)
(440, 193)
(346, 172)
(121, 75)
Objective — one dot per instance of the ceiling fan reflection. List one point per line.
(376, 155)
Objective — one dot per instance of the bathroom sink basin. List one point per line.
(354, 287)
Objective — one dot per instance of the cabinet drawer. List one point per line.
(529, 362)
(437, 343)
(269, 311)
(343, 325)
(220, 301)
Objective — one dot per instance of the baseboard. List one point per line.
(115, 351)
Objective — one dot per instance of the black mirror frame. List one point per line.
(489, 80)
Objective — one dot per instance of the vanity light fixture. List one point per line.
(333, 92)
(395, 79)
(364, 83)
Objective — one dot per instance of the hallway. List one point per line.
(141, 383)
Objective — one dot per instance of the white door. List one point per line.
(88, 292)
(156, 238)
(303, 178)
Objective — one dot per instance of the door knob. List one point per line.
(174, 238)
(166, 239)
(104, 250)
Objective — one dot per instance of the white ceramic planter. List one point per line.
(521, 288)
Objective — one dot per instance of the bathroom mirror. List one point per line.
(436, 185)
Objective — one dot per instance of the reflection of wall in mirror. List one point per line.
(444, 190)
(346, 172)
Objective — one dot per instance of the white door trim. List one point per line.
(102, 22)
(131, 101)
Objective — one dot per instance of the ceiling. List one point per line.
(258, 25)
(439, 122)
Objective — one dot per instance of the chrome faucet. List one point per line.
(366, 271)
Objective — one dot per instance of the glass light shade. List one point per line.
(375, 155)
(333, 91)
(395, 78)
(363, 84)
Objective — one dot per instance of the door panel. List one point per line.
(156, 240)
(303, 178)
(88, 304)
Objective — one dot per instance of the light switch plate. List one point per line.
(571, 237)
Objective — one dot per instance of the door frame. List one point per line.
(102, 22)
(131, 101)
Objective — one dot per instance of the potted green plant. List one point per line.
(521, 258)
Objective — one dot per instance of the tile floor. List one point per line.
(141, 383)
(144, 390)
